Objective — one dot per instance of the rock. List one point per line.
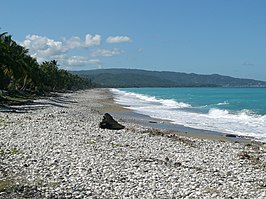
(230, 135)
(244, 155)
(177, 164)
(108, 122)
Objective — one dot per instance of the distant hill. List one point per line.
(143, 78)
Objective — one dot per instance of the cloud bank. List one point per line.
(44, 48)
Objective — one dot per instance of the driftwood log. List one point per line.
(108, 122)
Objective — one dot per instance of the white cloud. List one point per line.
(43, 47)
(106, 53)
(92, 40)
(95, 62)
(76, 61)
(118, 39)
(80, 61)
(74, 42)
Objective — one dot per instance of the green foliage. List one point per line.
(55, 79)
(21, 73)
(3, 122)
(5, 184)
(90, 142)
(12, 151)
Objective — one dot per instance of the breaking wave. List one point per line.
(244, 122)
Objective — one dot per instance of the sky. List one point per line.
(226, 37)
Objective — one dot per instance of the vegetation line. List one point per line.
(22, 75)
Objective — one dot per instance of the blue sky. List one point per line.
(195, 36)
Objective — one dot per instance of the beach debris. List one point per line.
(108, 122)
(230, 135)
(244, 155)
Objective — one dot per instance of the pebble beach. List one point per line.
(54, 148)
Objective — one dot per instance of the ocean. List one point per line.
(240, 111)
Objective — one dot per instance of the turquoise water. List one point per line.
(231, 110)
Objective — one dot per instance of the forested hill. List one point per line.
(144, 78)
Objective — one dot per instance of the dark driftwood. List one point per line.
(108, 122)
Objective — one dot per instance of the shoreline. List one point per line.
(130, 116)
(54, 148)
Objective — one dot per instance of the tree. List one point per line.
(13, 63)
(19, 72)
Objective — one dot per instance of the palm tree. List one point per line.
(20, 72)
(14, 62)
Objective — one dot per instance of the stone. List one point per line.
(244, 155)
(133, 168)
(230, 135)
(108, 122)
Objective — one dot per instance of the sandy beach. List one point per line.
(54, 148)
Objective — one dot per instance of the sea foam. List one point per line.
(244, 122)
(128, 98)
